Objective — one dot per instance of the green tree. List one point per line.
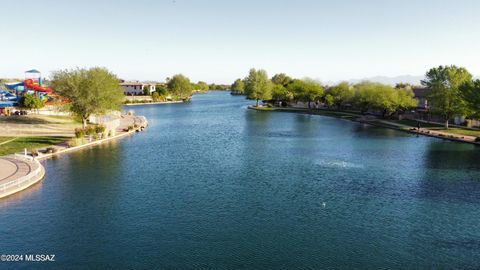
(161, 89)
(369, 95)
(282, 79)
(382, 97)
(342, 93)
(405, 100)
(306, 90)
(180, 86)
(90, 91)
(155, 96)
(281, 93)
(445, 98)
(329, 100)
(146, 90)
(471, 94)
(258, 86)
(238, 87)
(403, 86)
(202, 86)
(31, 102)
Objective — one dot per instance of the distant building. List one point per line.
(136, 88)
(420, 94)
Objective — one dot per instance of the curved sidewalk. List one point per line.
(18, 173)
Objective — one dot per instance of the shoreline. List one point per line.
(37, 171)
(377, 122)
(153, 103)
(20, 181)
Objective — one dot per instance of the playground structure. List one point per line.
(33, 81)
(33, 84)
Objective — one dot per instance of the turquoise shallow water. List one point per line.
(213, 185)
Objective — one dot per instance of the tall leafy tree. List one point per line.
(471, 94)
(282, 79)
(258, 86)
(403, 85)
(238, 86)
(369, 95)
(31, 102)
(445, 98)
(306, 90)
(405, 100)
(180, 85)
(90, 91)
(161, 89)
(341, 93)
(281, 93)
(202, 86)
(329, 100)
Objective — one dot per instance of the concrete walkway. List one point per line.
(432, 133)
(18, 173)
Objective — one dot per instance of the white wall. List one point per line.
(137, 89)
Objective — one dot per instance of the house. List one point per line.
(420, 94)
(136, 88)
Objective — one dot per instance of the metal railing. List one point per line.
(24, 157)
(24, 181)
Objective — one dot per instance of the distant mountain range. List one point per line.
(411, 79)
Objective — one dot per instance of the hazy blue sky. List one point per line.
(219, 40)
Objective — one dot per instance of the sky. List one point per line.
(220, 40)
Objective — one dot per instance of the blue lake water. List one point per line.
(213, 185)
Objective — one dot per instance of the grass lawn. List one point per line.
(5, 139)
(413, 123)
(459, 131)
(30, 143)
(439, 127)
(39, 119)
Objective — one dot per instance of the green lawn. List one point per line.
(413, 123)
(439, 127)
(459, 131)
(30, 143)
(4, 139)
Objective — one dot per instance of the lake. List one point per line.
(213, 185)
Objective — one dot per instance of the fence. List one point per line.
(22, 182)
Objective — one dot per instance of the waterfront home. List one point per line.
(136, 88)
(420, 94)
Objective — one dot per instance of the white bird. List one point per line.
(324, 204)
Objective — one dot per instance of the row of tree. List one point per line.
(452, 91)
(180, 86)
(363, 96)
(97, 91)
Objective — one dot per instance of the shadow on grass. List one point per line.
(20, 119)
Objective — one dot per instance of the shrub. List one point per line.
(79, 133)
(34, 152)
(477, 139)
(130, 128)
(51, 150)
(155, 96)
(75, 142)
(99, 129)
(90, 130)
